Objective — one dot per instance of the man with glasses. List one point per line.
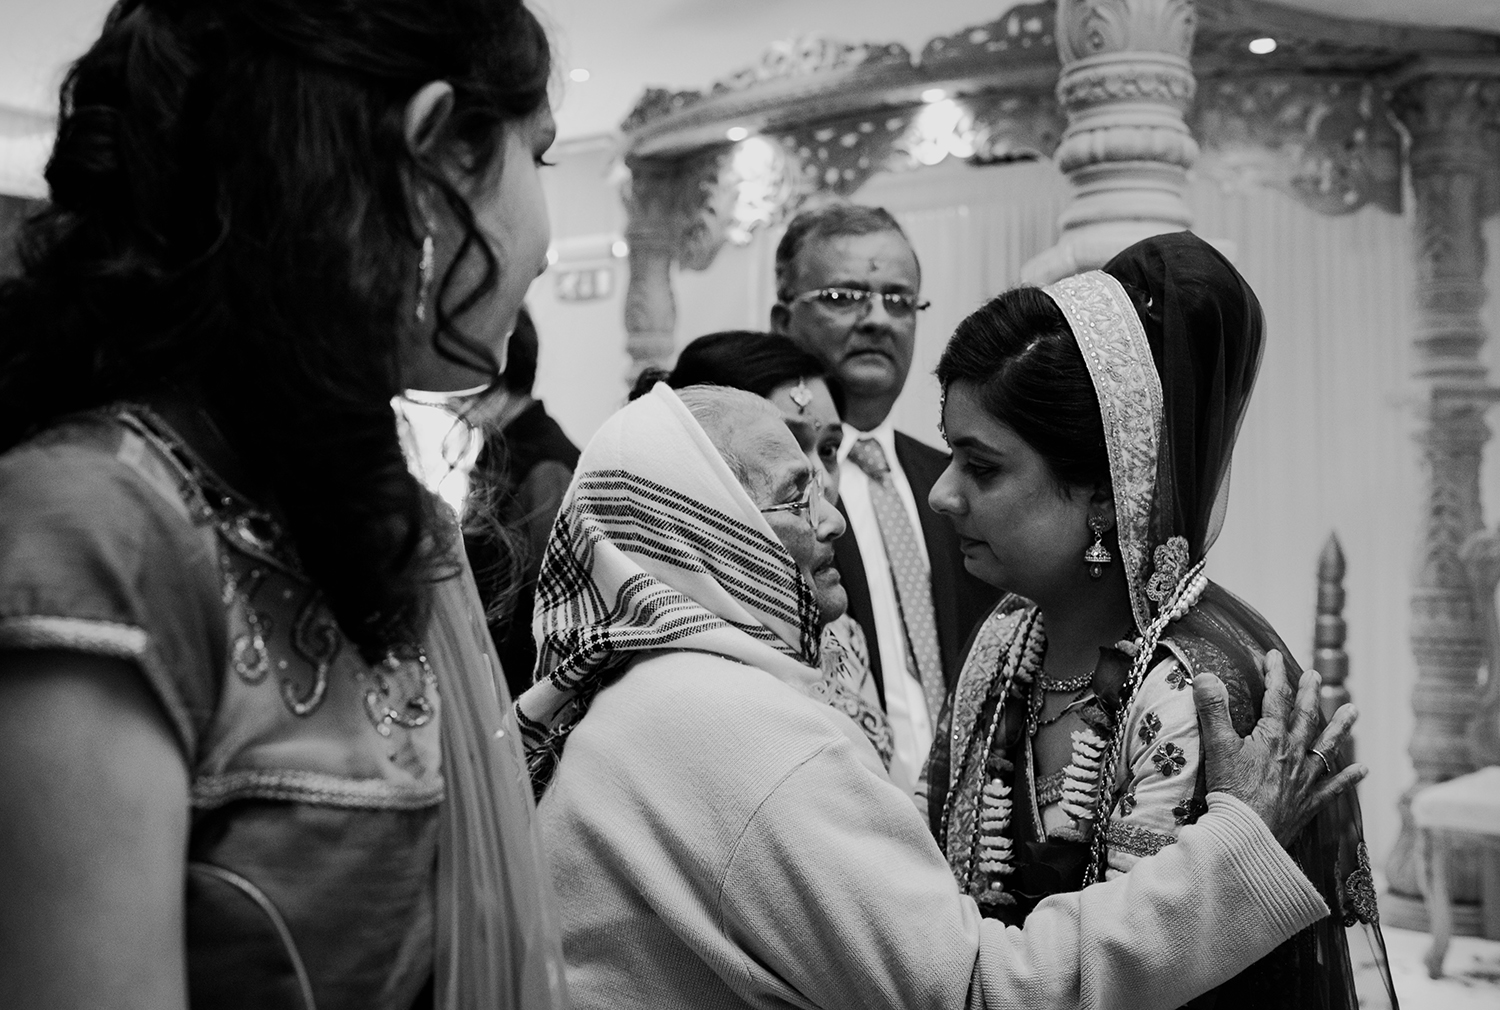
(848, 290)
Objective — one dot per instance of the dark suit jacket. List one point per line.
(961, 601)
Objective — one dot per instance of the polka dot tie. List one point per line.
(908, 572)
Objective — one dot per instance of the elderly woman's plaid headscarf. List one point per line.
(657, 546)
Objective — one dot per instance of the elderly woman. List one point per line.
(720, 837)
(811, 402)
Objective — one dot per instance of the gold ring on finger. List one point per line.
(1327, 764)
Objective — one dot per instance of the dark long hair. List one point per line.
(756, 362)
(230, 216)
(1018, 351)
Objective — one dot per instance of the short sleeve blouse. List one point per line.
(315, 778)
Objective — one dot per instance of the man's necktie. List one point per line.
(908, 572)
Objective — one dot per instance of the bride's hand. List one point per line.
(1277, 770)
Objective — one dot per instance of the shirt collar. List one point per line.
(884, 433)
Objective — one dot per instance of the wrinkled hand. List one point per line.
(1273, 770)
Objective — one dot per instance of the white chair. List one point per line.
(1468, 806)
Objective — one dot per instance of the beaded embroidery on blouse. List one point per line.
(283, 638)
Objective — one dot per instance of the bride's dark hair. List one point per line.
(231, 214)
(1020, 355)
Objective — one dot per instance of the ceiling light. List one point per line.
(579, 75)
(1261, 47)
(934, 95)
(736, 133)
(619, 249)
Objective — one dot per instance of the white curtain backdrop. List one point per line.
(1327, 444)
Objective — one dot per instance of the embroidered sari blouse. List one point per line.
(1155, 778)
(315, 779)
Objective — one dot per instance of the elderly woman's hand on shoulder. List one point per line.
(1278, 770)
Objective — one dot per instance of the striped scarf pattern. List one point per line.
(657, 546)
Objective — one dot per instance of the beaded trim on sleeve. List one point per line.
(210, 792)
(76, 634)
(1134, 840)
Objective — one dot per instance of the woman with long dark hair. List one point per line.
(254, 748)
(1092, 424)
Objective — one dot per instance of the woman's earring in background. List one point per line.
(1097, 556)
(424, 276)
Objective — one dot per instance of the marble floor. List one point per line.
(1471, 973)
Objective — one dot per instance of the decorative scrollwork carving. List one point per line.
(1023, 32)
(1015, 127)
(1130, 83)
(1091, 27)
(1329, 143)
(655, 103)
(809, 55)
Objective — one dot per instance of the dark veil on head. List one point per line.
(1206, 332)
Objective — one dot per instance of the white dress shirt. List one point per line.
(905, 704)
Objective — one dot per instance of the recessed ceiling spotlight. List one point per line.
(934, 95)
(619, 249)
(736, 133)
(1260, 47)
(578, 75)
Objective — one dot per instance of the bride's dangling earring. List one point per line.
(1097, 555)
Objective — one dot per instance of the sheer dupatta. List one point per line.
(1205, 331)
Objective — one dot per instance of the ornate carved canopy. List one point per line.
(1312, 118)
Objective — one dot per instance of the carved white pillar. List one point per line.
(653, 232)
(1446, 118)
(1125, 84)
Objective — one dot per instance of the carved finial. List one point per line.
(1329, 657)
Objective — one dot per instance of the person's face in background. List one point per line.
(510, 211)
(867, 347)
(814, 422)
(777, 472)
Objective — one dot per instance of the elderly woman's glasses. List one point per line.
(804, 506)
(848, 301)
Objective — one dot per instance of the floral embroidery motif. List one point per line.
(1178, 678)
(1150, 726)
(1171, 563)
(1358, 892)
(1169, 759)
(1127, 801)
(1190, 809)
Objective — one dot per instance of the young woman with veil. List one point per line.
(254, 748)
(1092, 424)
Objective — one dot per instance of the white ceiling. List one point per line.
(627, 45)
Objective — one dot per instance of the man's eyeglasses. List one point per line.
(805, 506)
(847, 301)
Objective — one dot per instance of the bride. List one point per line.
(1091, 425)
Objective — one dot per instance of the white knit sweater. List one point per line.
(716, 843)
